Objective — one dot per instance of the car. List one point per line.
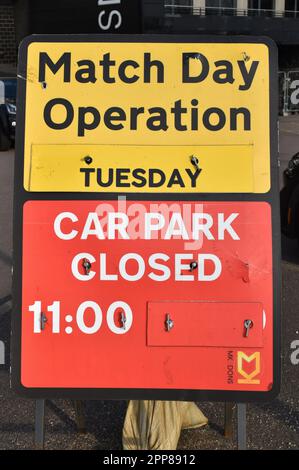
(8, 87)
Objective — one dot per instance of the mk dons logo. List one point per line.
(248, 378)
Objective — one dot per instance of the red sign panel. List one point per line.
(147, 294)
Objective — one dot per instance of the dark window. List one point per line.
(179, 7)
(212, 7)
(261, 8)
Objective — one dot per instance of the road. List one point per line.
(270, 426)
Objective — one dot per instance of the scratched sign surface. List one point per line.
(117, 116)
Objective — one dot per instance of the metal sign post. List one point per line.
(39, 436)
(241, 419)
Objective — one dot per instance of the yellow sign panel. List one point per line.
(147, 106)
(133, 168)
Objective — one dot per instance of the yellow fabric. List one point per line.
(156, 425)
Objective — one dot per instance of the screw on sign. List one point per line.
(88, 159)
(186, 129)
(86, 265)
(195, 162)
(247, 325)
(169, 322)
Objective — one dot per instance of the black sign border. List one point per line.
(21, 196)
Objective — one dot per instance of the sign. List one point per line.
(140, 255)
(147, 235)
(197, 114)
(166, 167)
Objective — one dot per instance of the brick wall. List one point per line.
(8, 53)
